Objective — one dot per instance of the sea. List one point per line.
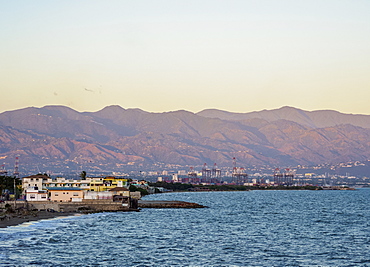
(251, 228)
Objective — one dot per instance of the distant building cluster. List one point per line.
(238, 176)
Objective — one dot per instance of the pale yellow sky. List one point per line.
(159, 56)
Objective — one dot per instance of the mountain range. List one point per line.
(124, 137)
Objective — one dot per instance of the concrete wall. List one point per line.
(46, 205)
(78, 206)
(86, 205)
(98, 195)
(89, 207)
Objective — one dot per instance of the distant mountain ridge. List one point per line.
(314, 119)
(116, 136)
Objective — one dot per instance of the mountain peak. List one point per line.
(112, 108)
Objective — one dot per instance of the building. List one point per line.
(63, 182)
(104, 184)
(120, 191)
(34, 194)
(121, 194)
(98, 195)
(65, 194)
(90, 183)
(35, 188)
(34, 182)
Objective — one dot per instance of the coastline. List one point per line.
(13, 219)
(16, 219)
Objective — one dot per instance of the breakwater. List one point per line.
(108, 205)
(165, 204)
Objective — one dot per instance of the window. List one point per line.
(75, 194)
(43, 196)
(32, 196)
(56, 194)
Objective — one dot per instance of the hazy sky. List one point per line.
(159, 56)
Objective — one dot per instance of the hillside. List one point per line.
(314, 119)
(113, 136)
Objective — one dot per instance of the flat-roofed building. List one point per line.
(34, 182)
(107, 183)
(120, 191)
(34, 194)
(65, 194)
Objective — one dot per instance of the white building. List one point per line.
(36, 194)
(34, 182)
(175, 177)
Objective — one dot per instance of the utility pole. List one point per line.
(15, 199)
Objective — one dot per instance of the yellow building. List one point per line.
(104, 184)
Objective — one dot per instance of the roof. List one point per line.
(119, 189)
(37, 176)
(64, 189)
(114, 178)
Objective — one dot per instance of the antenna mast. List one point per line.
(16, 167)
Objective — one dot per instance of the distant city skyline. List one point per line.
(159, 56)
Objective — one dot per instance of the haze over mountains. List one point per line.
(282, 137)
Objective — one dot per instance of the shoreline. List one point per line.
(16, 219)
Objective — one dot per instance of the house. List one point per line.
(34, 182)
(120, 191)
(34, 194)
(121, 194)
(65, 194)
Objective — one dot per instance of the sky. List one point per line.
(167, 55)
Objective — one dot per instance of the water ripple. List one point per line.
(255, 228)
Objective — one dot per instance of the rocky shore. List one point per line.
(11, 219)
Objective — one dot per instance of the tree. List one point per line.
(7, 185)
(83, 175)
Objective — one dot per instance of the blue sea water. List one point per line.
(254, 228)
